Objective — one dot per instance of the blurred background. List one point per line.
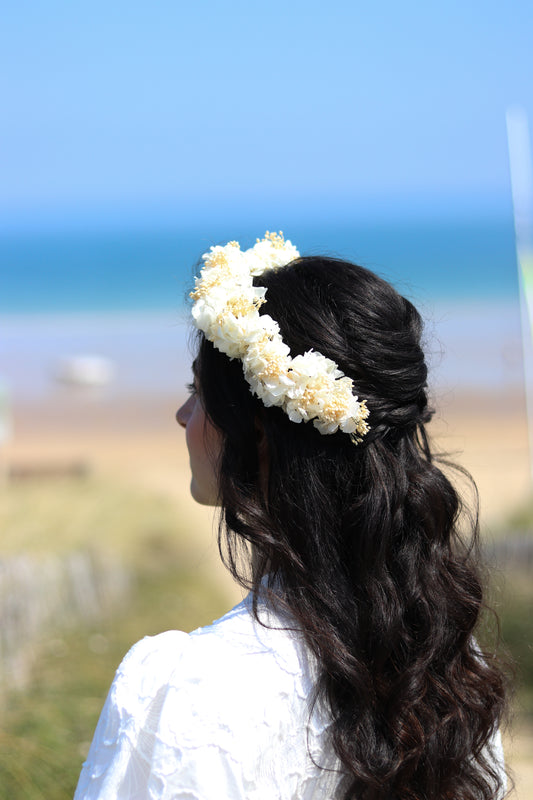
(135, 136)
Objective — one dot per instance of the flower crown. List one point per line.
(226, 308)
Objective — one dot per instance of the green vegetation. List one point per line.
(62, 514)
(47, 728)
(514, 604)
(516, 615)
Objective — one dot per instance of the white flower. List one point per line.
(272, 252)
(267, 355)
(315, 364)
(204, 315)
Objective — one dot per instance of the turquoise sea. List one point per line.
(138, 270)
(121, 294)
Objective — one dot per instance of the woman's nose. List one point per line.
(183, 414)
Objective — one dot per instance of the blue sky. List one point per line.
(130, 111)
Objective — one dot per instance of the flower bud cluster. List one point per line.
(226, 308)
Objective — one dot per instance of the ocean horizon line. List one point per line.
(180, 314)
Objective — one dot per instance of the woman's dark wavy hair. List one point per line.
(362, 542)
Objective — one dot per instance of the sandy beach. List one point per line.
(138, 438)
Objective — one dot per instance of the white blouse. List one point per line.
(218, 714)
(222, 713)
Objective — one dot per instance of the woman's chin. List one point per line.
(201, 495)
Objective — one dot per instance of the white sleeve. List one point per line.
(150, 742)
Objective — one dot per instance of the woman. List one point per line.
(351, 669)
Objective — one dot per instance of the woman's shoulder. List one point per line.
(213, 684)
(207, 711)
(161, 653)
(235, 649)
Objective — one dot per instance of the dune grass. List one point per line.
(516, 616)
(46, 729)
(43, 516)
(514, 604)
